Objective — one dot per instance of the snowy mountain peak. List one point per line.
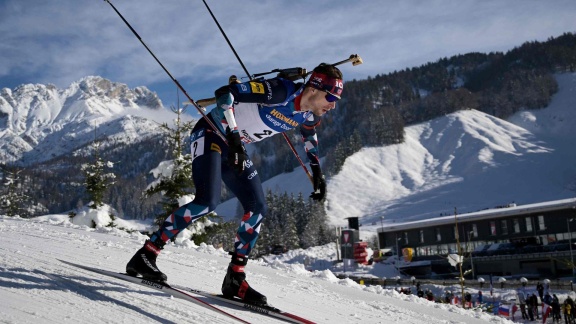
(34, 118)
(96, 86)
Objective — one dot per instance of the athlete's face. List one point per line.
(315, 100)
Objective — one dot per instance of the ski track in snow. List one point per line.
(36, 288)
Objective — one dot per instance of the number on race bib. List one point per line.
(264, 133)
(197, 144)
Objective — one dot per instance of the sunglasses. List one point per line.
(330, 97)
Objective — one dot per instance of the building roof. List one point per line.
(508, 211)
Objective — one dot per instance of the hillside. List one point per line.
(467, 160)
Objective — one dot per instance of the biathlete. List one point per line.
(246, 112)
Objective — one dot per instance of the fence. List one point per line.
(509, 284)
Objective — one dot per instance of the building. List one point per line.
(531, 239)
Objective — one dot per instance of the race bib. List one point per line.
(197, 143)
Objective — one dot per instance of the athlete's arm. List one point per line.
(310, 139)
(308, 132)
(270, 91)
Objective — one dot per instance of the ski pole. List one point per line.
(200, 110)
(227, 40)
(249, 76)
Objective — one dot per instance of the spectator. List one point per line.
(546, 287)
(430, 295)
(447, 297)
(522, 302)
(534, 305)
(420, 293)
(547, 299)
(406, 291)
(530, 308)
(467, 299)
(479, 299)
(555, 309)
(567, 312)
(571, 303)
(540, 289)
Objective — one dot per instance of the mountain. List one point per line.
(50, 133)
(41, 122)
(467, 160)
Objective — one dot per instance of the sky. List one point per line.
(37, 288)
(60, 42)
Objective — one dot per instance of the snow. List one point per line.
(36, 288)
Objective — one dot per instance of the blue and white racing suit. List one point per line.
(261, 109)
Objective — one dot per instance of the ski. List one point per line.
(161, 286)
(264, 310)
(185, 293)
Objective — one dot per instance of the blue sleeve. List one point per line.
(269, 91)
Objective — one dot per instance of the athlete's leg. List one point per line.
(206, 173)
(248, 190)
(207, 181)
(206, 154)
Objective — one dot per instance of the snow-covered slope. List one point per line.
(467, 160)
(36, 288)
(39, 122)
(449, 162)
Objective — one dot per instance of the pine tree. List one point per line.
(13, 197)
(291, 240)
(219, 234)
(293, 223)
(267, 236)
(326, 234)
(308, 238)
(316, 231)
(300, 214)
(96, 180)
(177, 182)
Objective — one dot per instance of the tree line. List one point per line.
(374, 111)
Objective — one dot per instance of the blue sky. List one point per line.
(62, 41)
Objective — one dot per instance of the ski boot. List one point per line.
(144, 262)
(235, 284)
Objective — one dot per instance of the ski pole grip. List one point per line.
(354, 58)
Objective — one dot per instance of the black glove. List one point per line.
(319, 183)
(236, 154)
